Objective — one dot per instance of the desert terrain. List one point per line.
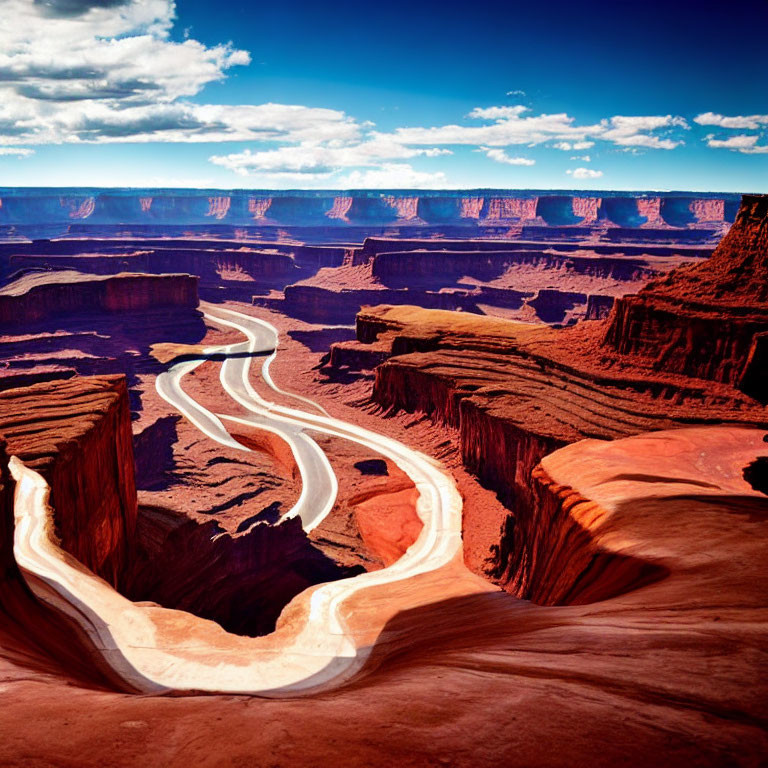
(425, 479)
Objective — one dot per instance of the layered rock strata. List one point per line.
(213, 212)
(39, 296)
(58, 324)
(541, 284)
(77, 434)
(515, 393)
(662, 675)
(709, 320)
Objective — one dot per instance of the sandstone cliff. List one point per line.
(516, 393)
(77, 434)
(38, 296)
(47, 213)
(7, 563)
(706, 320)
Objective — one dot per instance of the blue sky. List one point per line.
(590, 95)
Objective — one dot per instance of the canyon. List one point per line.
(283, 471)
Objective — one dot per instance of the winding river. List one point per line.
(152, 649)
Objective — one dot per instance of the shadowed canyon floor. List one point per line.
(604, 603)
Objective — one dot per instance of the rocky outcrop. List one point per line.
(39, 296)
(374, 246)
(499, 278)
(318, 304)
(704, 320)
(667, 673)
(58, 324)
(77, 434)
(596, 510)
(517, 392)
(419, 265)
(598, 307)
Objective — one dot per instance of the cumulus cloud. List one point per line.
(641, 131)
(750, 122)
(392, 176)
(17, 151)
(107, 70)
(73, 50)
(70, 8)
(568, 146)
(509, 125)
(319, 158)
(500, 156)
(584, 173)
(744, 143)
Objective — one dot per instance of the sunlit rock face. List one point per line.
(582, 524)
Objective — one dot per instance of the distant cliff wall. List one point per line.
(62, 209)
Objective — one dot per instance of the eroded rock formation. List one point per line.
(707, 320)
(39, 296)
(516, 393)
(77, 434)
(161, 212)
(628, 539)
(502, 278)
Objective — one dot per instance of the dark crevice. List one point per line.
(756, 474)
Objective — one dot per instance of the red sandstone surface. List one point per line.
(533, 285)
(654, 686)
(630, 624)
(517, 392)
(77, 435)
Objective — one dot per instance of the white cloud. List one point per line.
(583, 158)
(500, 156)
(584, 173)
(568, 146)
(733, 142)
(517, 94)
(750, 122)
(17, 151)
(318, 158)
(67, 51)
(509, 125)
(392, 176)
(744, 143)
(638, 131)
(497, 113)
(108, 71)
